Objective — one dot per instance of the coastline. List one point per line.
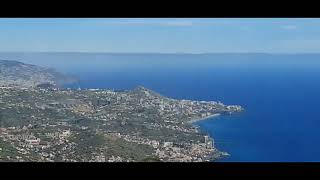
(217, 155)
(204, 118)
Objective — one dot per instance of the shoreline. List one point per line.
(204, 118)
(218, 155)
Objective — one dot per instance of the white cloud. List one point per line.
(167, 22)
(289, 27)
(148, 23)
(178, 23)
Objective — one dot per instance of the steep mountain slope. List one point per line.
(17, 74)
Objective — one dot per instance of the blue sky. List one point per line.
(163, 35)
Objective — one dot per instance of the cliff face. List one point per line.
(17, 74)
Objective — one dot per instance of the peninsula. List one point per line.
(47, 123)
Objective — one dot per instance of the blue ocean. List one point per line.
(280, 94)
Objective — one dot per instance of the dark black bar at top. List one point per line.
(185, 9)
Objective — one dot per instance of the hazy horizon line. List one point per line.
(169, 53)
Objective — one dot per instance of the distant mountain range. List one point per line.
(18, 74)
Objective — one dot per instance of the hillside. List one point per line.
(18, 74)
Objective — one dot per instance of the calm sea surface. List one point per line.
(280, 94)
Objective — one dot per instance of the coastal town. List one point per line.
(99, 125)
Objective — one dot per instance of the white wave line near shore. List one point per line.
(204, 118)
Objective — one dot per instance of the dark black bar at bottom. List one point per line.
(164, 169)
